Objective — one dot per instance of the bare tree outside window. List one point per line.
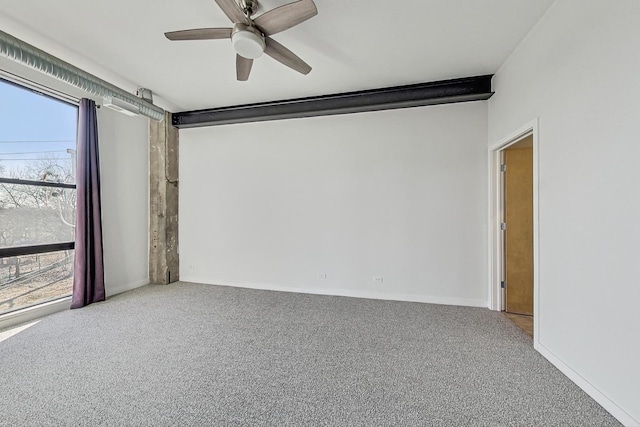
(31, 215)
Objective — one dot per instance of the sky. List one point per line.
(33, 126)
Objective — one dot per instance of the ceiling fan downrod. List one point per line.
(249, 7)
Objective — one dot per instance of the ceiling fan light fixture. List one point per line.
(247, 41)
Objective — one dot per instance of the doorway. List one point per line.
(517, 229)
(514, 219)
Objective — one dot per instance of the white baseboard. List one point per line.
(608, 404)
(389, 296)
(112, 290)
(32, 313)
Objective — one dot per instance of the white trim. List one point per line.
(32, 313)
(112, 290)
(495, 244)
(388, 296)
(536, 232)
(609, 405)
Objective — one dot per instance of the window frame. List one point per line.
(22, 250)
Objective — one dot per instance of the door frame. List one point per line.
(496, 296)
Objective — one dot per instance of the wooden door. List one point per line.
(519, 227)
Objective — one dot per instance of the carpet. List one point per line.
(188, 354)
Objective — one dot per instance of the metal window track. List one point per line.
(36, 183)
(35, 249)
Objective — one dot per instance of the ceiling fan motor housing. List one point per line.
(248, 41)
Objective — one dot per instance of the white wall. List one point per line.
(124, 164)
(578, 71)
(399, 194)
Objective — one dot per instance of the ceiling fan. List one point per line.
(251, 37)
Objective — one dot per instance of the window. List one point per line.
(37, 197)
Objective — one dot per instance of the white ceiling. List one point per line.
(351, 45)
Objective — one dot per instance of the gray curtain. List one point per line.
(88, 279)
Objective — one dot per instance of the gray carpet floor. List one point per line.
(188, 354)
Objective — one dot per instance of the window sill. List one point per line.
(29, 314)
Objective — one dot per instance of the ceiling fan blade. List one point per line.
(200, 34)
(232, 10)
(243, 68)
(285, 56)
(284, 17)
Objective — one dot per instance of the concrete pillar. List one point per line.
(164, 264)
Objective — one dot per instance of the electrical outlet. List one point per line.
(192, 267)
(378, 279)
(322, 275)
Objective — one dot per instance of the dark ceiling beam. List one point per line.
(416, 95)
